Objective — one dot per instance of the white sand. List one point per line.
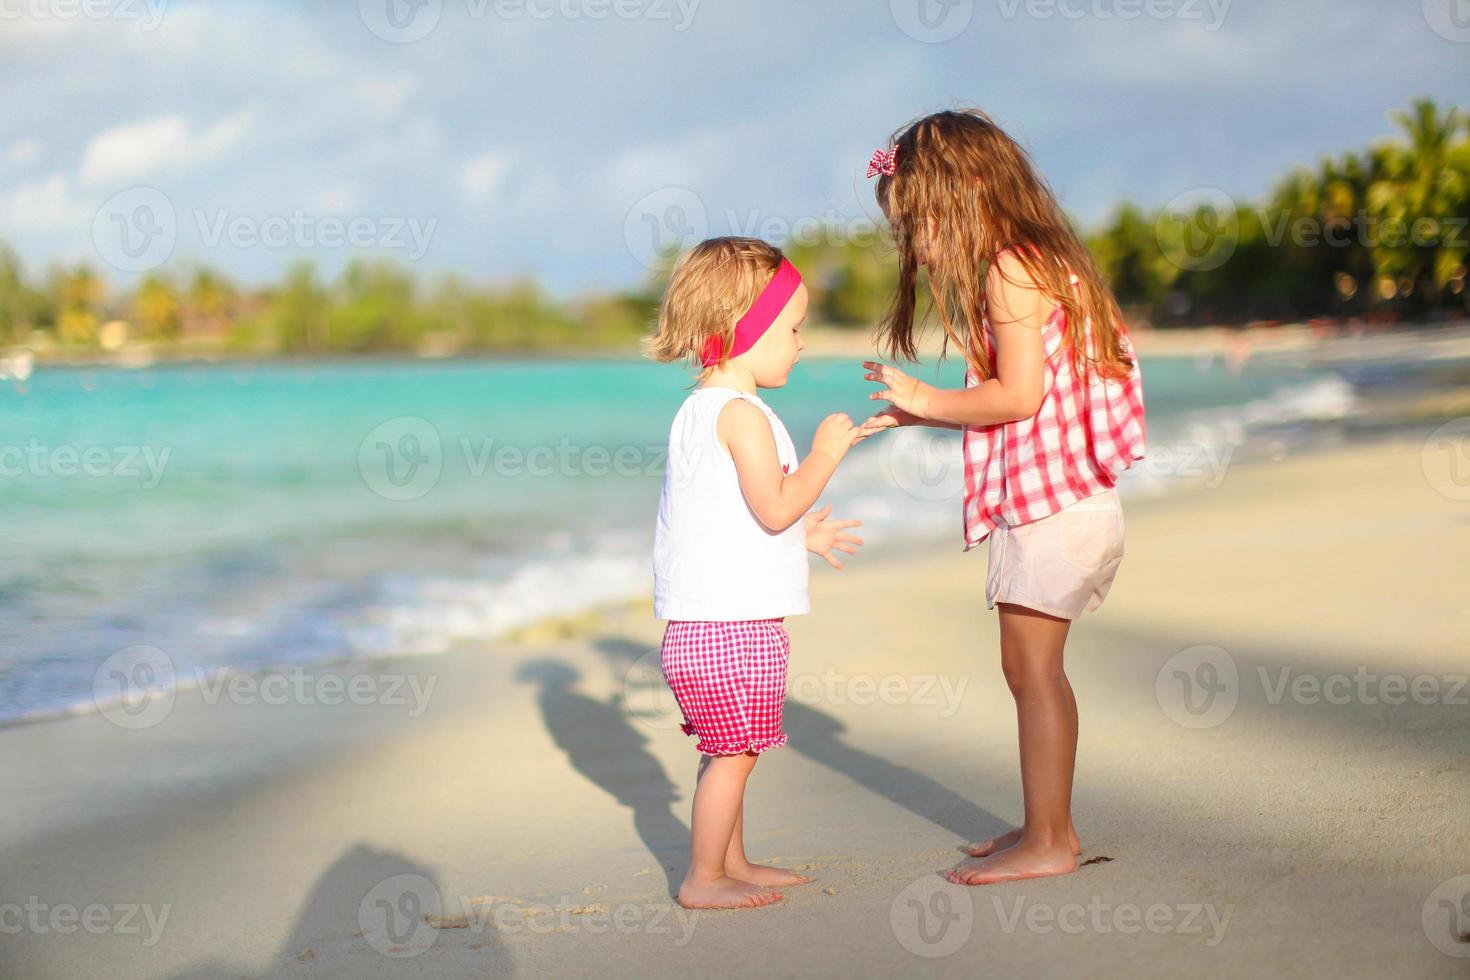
(1291, 838)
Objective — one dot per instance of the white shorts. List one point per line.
(1062, 564)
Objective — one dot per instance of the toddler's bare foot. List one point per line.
(1009, 839)
(1024, 860)
(764, 874)
(725, 893)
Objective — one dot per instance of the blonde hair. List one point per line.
(983, 193)
(712, 286)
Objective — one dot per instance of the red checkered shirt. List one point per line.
(1087, 431)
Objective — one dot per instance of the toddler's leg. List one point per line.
(1031, 646)
(717, 803)
(739, 867)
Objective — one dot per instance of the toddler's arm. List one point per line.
(779, 500)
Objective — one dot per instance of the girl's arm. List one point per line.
(1017, 311)
(779, 500)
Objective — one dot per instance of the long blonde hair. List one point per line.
(983, 195)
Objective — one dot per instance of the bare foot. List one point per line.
(725, 893)
(764, 874)
(1014, 863)
(1009, 839)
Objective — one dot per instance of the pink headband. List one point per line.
(758, 319)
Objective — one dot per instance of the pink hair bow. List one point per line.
(884, 162)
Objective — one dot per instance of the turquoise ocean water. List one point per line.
(250, 516)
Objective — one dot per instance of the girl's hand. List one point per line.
(824, 536)
(888, 418)
(906, 393)
(835, 436)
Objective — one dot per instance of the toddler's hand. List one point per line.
(824, 536)
(835, 436)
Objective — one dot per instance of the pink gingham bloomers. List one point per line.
(730, 681)
(1086, 433)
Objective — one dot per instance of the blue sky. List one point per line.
(542, 137)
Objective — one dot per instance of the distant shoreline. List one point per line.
(821, 341)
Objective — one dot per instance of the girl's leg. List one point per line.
(1012, 837)
(739, 867)
(1031, 645)
(717, 803)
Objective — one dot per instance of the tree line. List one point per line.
(1378, 233)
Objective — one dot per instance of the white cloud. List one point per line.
(23, 151)
(335, 199)
(43, 205)
(480, 178)
(386, 96)
(164, 143)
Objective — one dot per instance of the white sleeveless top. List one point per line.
(712, 559)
